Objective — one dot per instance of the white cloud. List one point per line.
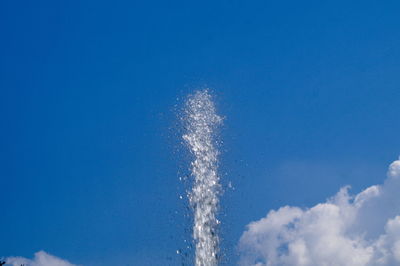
(41, 259)
(360, 230)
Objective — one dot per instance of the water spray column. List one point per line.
(201, 121)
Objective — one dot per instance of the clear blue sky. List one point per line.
(90, 152)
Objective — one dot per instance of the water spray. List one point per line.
(201, 122)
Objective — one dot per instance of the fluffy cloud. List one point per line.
(360, 230)
(41, 259)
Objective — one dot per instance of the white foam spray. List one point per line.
(201, 121)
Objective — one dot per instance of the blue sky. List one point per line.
(90, 155)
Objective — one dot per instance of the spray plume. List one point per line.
(201, 122)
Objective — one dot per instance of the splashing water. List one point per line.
(201, 121)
